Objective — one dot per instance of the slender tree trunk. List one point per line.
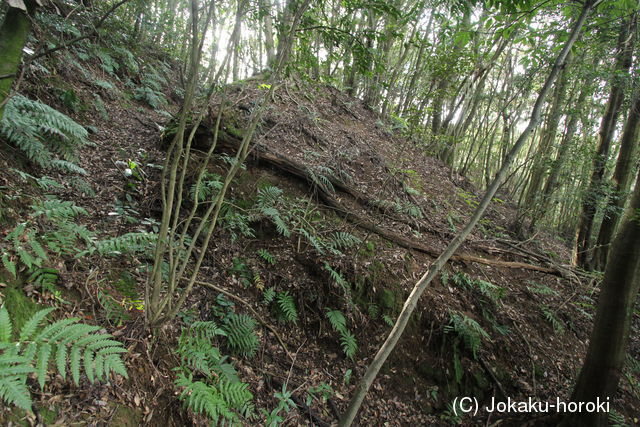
(425, 280)
(594, 194)
(543, 155)
(621, 183)
(265, 10)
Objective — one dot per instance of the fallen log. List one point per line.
(261, 154)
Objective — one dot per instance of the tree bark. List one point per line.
(14, 32)
(602, 367)
(594, 194)
(410, 304)
(621, 183)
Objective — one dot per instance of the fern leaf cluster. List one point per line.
(241, 335)
(129, 243)
(550, 315)
(66, 344)
(47, 137)
(347, 339)
(467, 330)
(210, 385)
(286, 307)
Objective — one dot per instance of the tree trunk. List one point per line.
(542, 157)
(265, 11)
(602, 367)
(621, 183)
(14, 32)
(425, 280)
(594, 195)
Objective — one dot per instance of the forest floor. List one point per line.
(341, 169)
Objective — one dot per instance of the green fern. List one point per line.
(47, 137)
(241, 335)
(347, 339)
(208, 187)
(542, 289)
(219, 394)
(342, 240)
(267, 256)
(468, 330)
(338, 278)
(287, 307)
(269, 295)
(550, 315)
(129, 243)
(65, 344)
(337, 320)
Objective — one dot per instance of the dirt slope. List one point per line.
(341, 168)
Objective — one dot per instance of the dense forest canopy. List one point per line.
(244, 203)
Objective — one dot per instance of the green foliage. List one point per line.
(347, 339)
(286, 307)
(241, 334)
(285, 403)
(269, 295)
(297, 216)
(49, 227)
(209, 186)
(337, 277)
(130, 243)
(150, 90)
(66, 344)
(267, 200)
(550, 315)
(542, 289)
(468, 331)
(107, 62)
(267, 256)
(241, 271)
(493, 292)
(47, 137)
(210, 385)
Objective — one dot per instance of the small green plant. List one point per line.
(550, 315)
(241, 334)
(50, 227)
(286, 307)
(267, 256)
(324, 391)
(73, 346)
(468, 332)
(493, 292)
(47, 137)
(469, 198)
(339, 279)
(140, 242)
(209, 384)
(285, 403)
(542, 289)
(347, 339)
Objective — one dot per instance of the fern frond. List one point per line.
(6, 328)
(240, 329)
(348, 343)
(30, 326)
(337, 320)
(13, 390)
(287, 306)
